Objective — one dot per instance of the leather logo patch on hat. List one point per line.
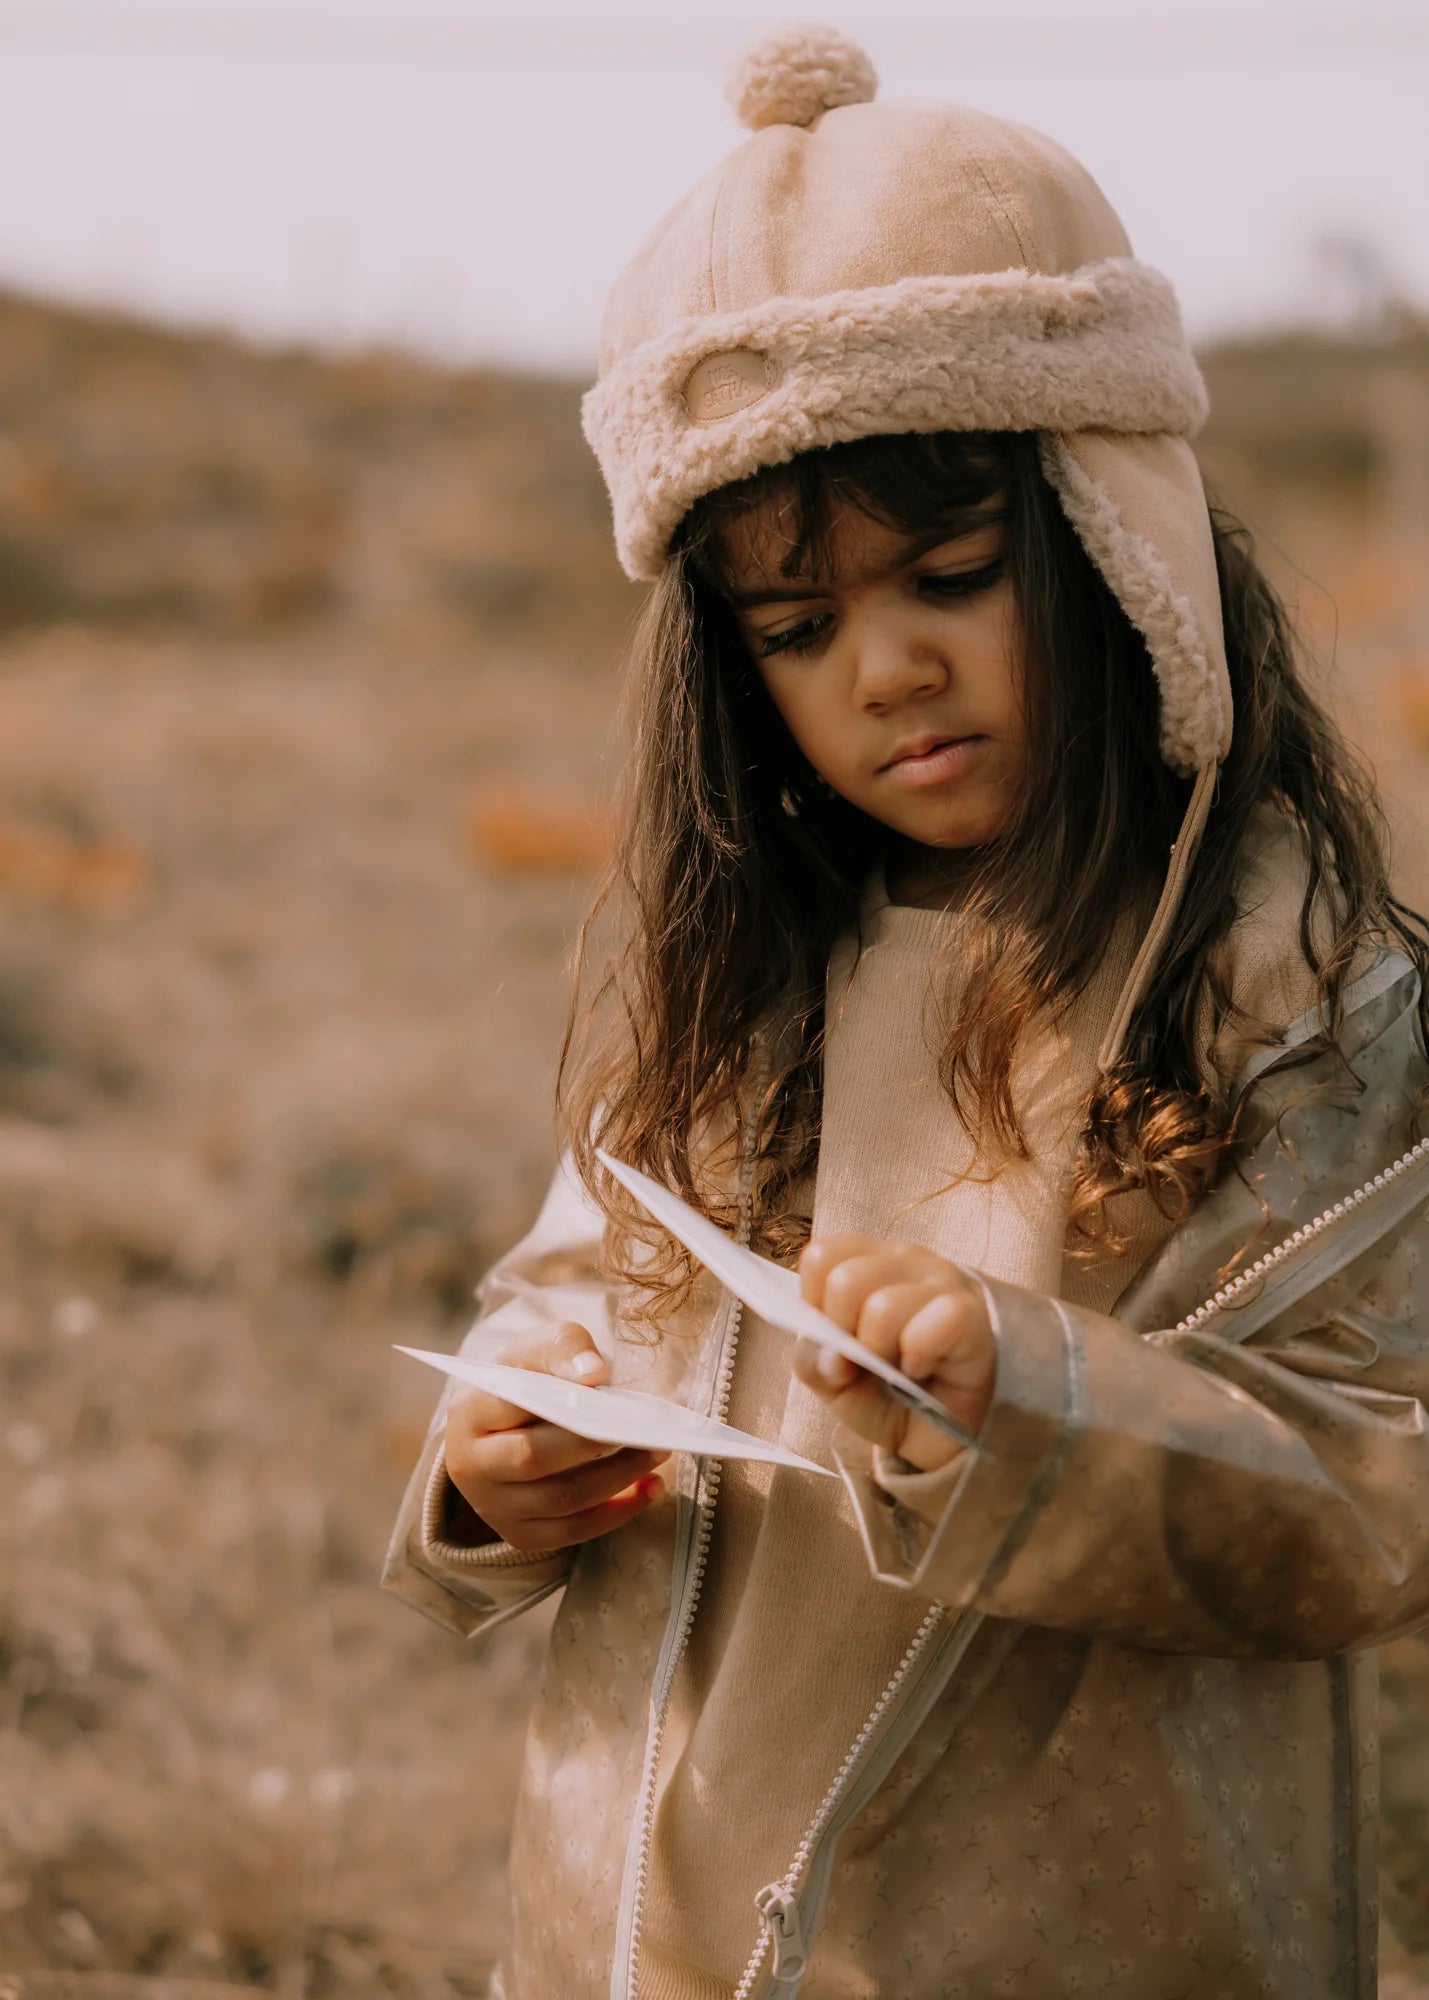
(723, 383)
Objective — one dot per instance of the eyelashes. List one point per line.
(801, 638)
(805, 636)
(964, 583)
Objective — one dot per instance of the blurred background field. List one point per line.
(306, 680)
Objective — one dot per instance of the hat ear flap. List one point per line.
(1138, 505)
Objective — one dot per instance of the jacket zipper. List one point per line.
(777, 1903)
(699, 1559)
(1275, 1261)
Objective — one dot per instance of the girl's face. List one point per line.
(900, 672)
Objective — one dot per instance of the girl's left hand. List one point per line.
(918, 1311)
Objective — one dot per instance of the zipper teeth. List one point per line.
(704, 1530)
(918, 1645)
(699, 1561)
(1273, 1259)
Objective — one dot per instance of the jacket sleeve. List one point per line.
(1187, 1494)
(552, 1275)
(1195, 1491)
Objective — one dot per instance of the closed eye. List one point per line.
(800, 638)
(944, 584)
(963, 583)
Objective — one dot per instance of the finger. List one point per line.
(541, 1451)
(879, 1326)
(820, 1369)
(472, 1412)
(885, 1313)
(541, 1537)
(574, 1355)
(819, 1257)
(569, 1352)
(587, 1486)
(866, 1407)
(854, 1397)
(849, 1284)
(555, 1351)
(950, 1337)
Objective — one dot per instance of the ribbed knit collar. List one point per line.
(912, 923)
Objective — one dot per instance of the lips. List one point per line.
(928, 762)
(920, 746)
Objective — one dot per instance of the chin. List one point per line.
(949, 840)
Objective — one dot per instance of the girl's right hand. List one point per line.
(532, 1484)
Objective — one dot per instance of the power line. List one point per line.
(1062, 45)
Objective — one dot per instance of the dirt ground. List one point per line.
(306, 684)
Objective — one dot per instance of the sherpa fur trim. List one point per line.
(1097, 348)
(1190, 671)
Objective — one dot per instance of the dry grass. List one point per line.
(305, 682)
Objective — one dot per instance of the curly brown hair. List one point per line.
(736, 870)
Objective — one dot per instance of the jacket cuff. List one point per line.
(951, 1534)
(441, 1502)
(466, 1589)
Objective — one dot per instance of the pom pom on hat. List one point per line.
(790, 75)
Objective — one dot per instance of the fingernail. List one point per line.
(833, 1367)
(587, 1364)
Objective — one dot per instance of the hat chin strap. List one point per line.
(1183, 853)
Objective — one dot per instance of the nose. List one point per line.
(895, 661)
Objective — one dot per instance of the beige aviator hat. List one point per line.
(857, 268)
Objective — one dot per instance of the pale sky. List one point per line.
(467, 179)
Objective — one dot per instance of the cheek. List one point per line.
(1006, 662)
(804, 712)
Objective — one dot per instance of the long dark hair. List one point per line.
(736, 870)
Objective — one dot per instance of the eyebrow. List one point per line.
(957, 530)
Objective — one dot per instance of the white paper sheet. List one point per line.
(613, 1416)
(774, 1294)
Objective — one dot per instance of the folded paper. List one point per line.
(611, 1415)
(774, 1294)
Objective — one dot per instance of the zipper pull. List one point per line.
(781, 1913)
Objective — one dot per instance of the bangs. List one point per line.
(947, 480)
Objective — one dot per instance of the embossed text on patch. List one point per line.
(723, 383)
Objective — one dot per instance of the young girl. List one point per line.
(1008, 940)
